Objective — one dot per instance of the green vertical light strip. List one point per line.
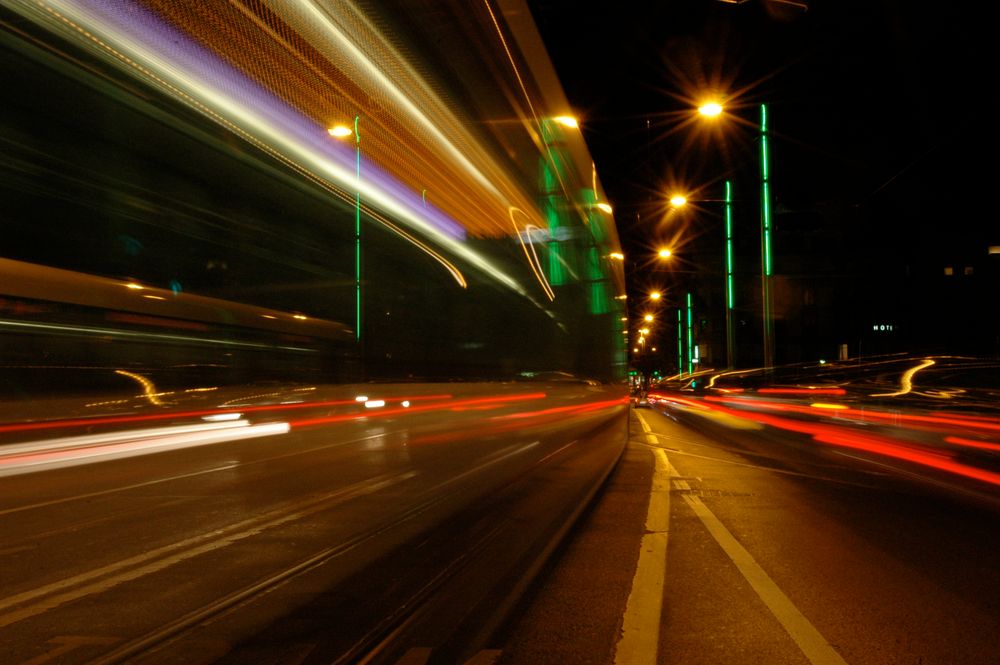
(765, 241)
(680, 344)
(729, 245)
(357, 233)
(690, 356)
(765, 184)
(730, 297)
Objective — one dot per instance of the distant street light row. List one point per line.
(714, 109)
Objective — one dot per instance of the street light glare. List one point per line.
(664, 253)
(567, 121)
(648, 317)
(605, 207)
(618, 256)
(711, 109)
(677, 200)
(655, 295)
(340, 131)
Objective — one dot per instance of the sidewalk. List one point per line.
(574, 615)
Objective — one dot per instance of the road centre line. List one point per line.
(640, 638)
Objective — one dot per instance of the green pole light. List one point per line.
(690, 356)
(765, 184)
(357, 233)
(680, 344)
(730, 297)
(729, 245)
(765, 240)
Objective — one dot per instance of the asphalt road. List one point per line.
(769, 549)
(411, 539)
(291, 525)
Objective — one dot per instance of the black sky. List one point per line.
(883, 107)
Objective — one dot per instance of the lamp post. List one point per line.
(765, 240)
(715, 109)
(730, 297)
(690, 337)
(343, 132)
(728, 278)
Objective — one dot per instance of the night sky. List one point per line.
(880, 110)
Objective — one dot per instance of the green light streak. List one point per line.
(766, 269)
(765, 171)
(690, 357)
(729, 245)
(680, 343)
(357, 233)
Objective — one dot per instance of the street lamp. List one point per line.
(711, 109)
(342, 132)
(765, 239)
(664, 253)
(714, 109)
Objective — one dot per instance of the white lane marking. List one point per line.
(813, 645)
(640, 639)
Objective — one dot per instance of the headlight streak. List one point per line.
(501, 399)
(571, 409)
(801, 391)
(148, 389)
(885, 446)
(448, 265)
(184, 69)
(322, 17)
(246, 408)
(972, 443)
(74, 451)
(906, 380)
(531, 108)
(895, 417)
(536, 265)
(131, 334)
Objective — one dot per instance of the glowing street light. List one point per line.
(664, 253)
(567, 121)
(605, 207)
(655, 295)
(678, 200)
(340, 131)
(648, 318)
(711, 109)
(617, 256)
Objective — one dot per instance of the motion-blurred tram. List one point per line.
(322, 292)
(233, 192)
